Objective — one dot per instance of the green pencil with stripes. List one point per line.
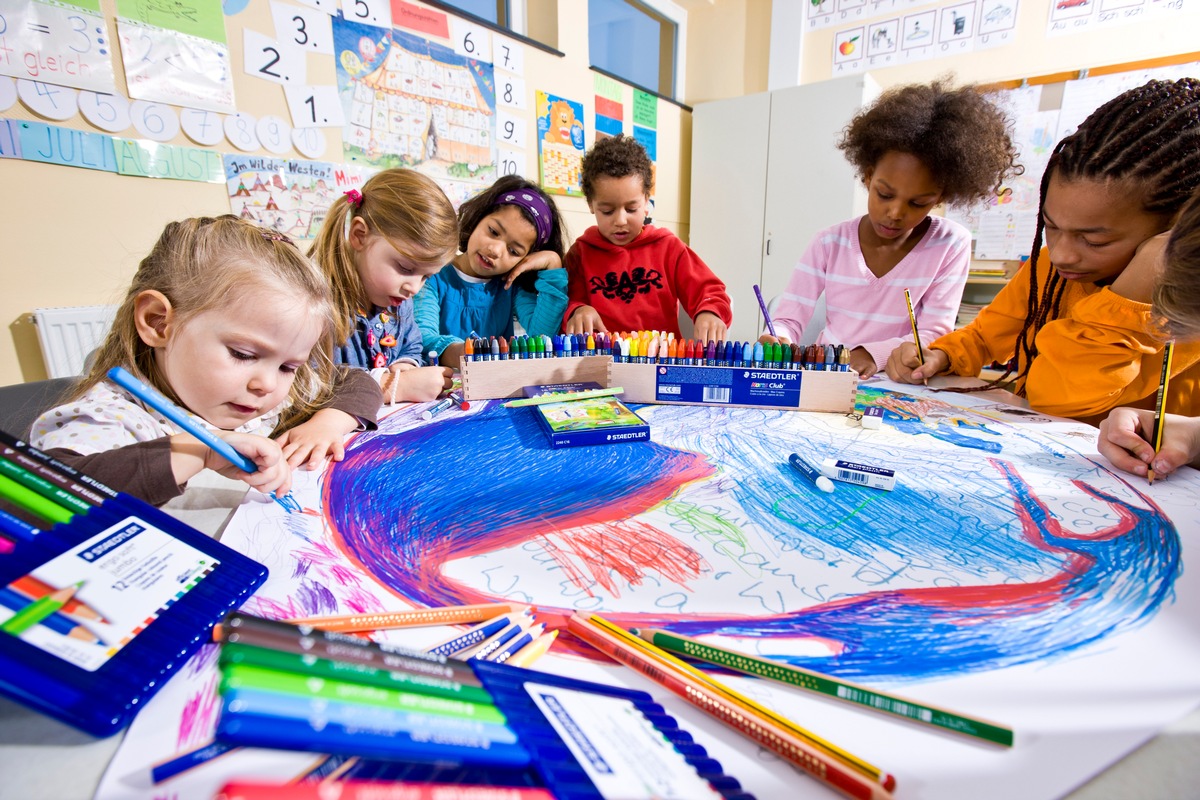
(820, 683)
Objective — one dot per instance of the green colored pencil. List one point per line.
(831, 687)
(38, 610)
(43, 487)
(33, 502)
(563, 397)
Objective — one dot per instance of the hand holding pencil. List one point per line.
(1124, 441)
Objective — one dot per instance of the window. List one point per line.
(639, 42)
(535, 20)
(494, 11)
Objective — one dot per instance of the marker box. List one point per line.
(872, 418)
(859, 474)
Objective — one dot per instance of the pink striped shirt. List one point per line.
(864, 311)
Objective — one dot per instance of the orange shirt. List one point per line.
(1099, 353)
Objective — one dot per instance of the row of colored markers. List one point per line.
(652, 347)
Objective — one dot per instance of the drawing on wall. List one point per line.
(882, 37)
(560, 144)
(287, 195)
(847, 46)
(958, 23)
(410, 102)
(918, 29)
(998, 15)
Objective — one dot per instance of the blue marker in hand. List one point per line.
(153, 398)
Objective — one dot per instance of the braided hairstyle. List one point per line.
(1148, 136)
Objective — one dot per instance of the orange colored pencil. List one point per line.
(416, 618)
(34, 589)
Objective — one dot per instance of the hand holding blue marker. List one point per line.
(154, 399)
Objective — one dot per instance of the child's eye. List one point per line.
(238, 355)
(493, 232)
(288, 368)
(402, 269)
(883, 196)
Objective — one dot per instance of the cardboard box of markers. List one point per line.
(682, 384)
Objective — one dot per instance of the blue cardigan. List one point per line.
(449, 306)
(387, 336)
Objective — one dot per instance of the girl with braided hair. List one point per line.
(1126, 435)
(1075, 325)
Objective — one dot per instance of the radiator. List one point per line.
(68, 335)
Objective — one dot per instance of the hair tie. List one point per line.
(537, 207)
(354, 198)
(273, 236)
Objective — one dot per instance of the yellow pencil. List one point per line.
(912, 317)
(1164, 380)
(534, 650)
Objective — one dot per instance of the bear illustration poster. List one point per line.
(560, 144)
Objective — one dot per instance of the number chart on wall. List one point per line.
(410, 102)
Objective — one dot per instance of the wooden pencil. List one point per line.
(829, 686)
(704, 696)
(1164, 380)
(416, 618)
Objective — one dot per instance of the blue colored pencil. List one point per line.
(472, 637)
(154, 399)
(766, 314)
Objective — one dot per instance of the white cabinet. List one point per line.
(766, 176)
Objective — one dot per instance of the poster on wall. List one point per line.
(65, 43)
(176, 53)
(410, 102)
(560, 144)
(1081, 16)
(288, 195)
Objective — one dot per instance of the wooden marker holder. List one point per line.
(495, 380)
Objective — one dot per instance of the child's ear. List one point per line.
(153, 316)
(357, 236)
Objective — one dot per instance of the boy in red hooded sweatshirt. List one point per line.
(626, 275)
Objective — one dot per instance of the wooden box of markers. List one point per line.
(741, 387)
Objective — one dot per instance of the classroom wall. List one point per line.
(74, 236)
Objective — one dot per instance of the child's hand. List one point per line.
(904, 366)
(452, 356)
(537, 260)
(416, 385)
(273, 475)
(767, 338)
(1123, 441)
(708, 327)
(863, 362)
(585, 320)
(311, 443)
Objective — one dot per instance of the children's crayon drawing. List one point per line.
(1009, 573)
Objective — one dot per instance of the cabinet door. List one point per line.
(810, 184)
(729, 175)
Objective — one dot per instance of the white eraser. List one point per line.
(872, 418)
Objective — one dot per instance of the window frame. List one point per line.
(676, 15)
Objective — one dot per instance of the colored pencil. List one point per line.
(820, 683)
(45, 488)
(37, 611)
(248, 629)
(563, 397)
(459, 642)
(766, 314)
(55, 621)
(1164, 380)
(533, 651)
(19, 455)
(702, 694)
(17, 528)
(416, 618)
(376, 790)
(912, 318)
(885, 779)
(35, 589)
(517, 645)
(186, 422)
(31, 501)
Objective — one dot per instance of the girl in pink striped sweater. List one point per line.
(914, 148)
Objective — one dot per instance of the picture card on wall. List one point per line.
(472, 41)
(509, 55)
(67, 45)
